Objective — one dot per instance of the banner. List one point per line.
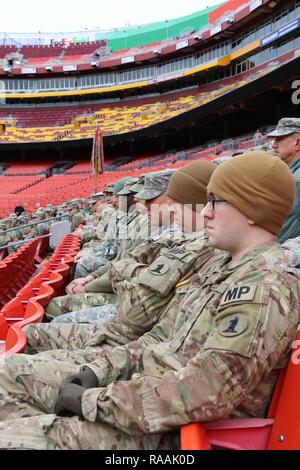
(97, 159)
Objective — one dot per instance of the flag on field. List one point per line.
(97, 159)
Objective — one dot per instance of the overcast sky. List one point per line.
(76, 15)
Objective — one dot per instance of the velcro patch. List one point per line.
(233, 325)
(159, 269)
(239, 293)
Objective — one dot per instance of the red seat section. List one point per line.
(12, 340)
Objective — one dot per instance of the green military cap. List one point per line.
(286, 126)
(119, 185)
(35, 215)
(73, 205)
(126, 191)
(96, 196)
(155, 184)
(109, 188)
(139, 185)
(40, 211)
(12, 216)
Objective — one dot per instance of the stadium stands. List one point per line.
(27, 304)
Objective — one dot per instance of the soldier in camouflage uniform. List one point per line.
(88, 232)
(287, 145)
(178, 253)
(77, 216)
(99, 282)
(4, 238)
(102, 253)
(218, 357)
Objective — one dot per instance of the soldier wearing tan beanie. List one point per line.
(188, 185)
(187, 191)
(259, 185)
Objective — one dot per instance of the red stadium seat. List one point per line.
(12, 339)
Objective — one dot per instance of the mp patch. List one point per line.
(238, 293)
(233, 325)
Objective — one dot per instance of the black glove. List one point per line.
(69, 400)
(86, 378)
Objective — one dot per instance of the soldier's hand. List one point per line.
(85, 378)
(78, 289)
(69, 400)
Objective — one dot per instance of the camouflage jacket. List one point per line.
(218, 357)
(291, 226)
(143, 291)
(97, 231)
(131, 235)
(77, 219)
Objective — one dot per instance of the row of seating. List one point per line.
(16, 269)
(28, 304)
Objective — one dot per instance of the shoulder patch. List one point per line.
(233, 325)
(238, 293)
(158, 269)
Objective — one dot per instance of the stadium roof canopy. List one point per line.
(117, 38)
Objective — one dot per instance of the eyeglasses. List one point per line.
(212, 202)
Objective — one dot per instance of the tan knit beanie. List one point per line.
(188, 185)
(259, 185)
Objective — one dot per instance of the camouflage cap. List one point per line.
(48, 209)
(126, 191)
(73, 205)
(96, 196)
(12, 216)
(139, 185)
(109, 188)
(155, 184)
(119, 185)
(286, 126)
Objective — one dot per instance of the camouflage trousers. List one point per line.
(71, 303)
(29, 387)
(96, 257)
(88, 264)
(68, 336)
(97, 315)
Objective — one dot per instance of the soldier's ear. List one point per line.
(250, 222)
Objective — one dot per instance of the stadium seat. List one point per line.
(12, 339)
